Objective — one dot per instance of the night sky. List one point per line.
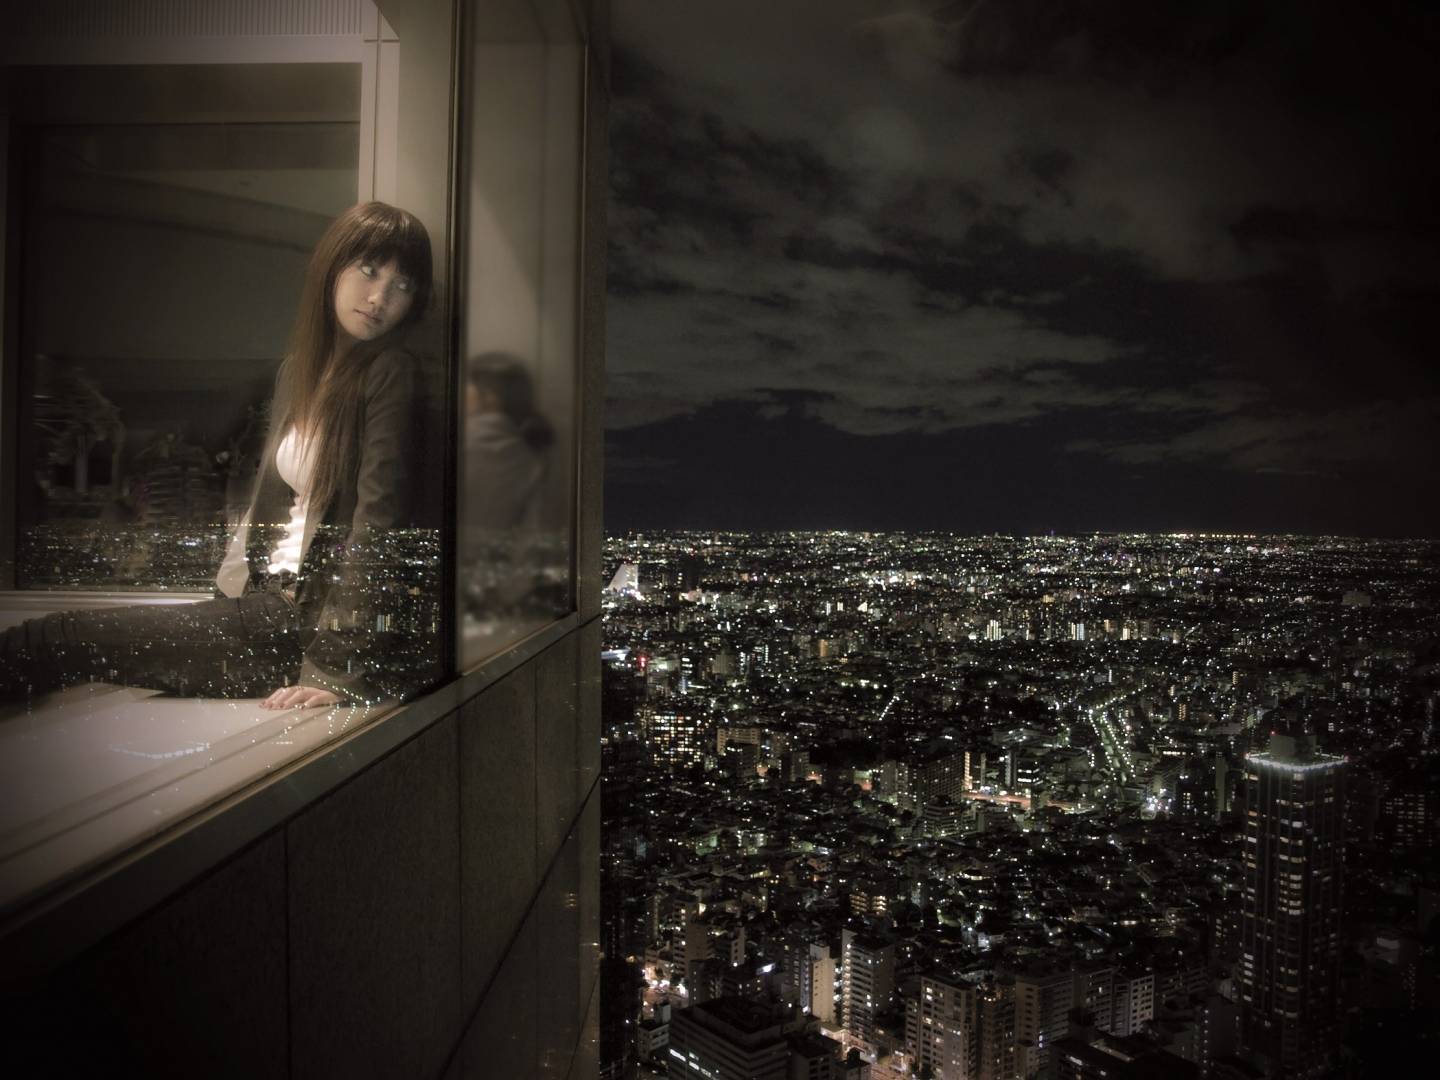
(1020, 266)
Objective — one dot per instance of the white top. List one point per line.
(293, 464)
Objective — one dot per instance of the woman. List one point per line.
(307, 592)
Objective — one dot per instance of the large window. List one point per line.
(164, 194)
(518, 375)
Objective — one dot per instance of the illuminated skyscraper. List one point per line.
(1290, 924)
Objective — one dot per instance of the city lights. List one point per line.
(884, 781)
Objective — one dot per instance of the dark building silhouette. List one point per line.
(1117, 1057)
(732, 1038)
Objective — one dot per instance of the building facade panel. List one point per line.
(589, 720)
(557, 742)
(557, 909)
(499, 871)
(147, 995)
(588, 841)
(502, 1034)
(585, 1063)
(374, 916)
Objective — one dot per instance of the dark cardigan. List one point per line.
(347, 541)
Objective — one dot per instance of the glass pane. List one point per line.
(161, 266)
(517, 396)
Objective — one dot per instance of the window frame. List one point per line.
(76, 909)
(550, 14)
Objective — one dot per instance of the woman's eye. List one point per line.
(367, 269)
(403, 284)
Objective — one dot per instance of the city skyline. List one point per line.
(914, 806)
(1022, 267)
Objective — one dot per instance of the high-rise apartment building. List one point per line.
(869, 982)
(935, 1027)
(809, 977)
(974, 769)
(693, 950)
(1043, 1000)
(945, 818)
(819, 985)
(1132, 1003)
(962, 1029)
(1290, 928)
(1094, 994)
(1409, 812)
(939, 778)
(916, 783)
(1195, 789)
(994, 1042)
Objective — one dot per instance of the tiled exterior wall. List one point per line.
(435, 916)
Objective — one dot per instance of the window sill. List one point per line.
(95, 769)
(91, 771)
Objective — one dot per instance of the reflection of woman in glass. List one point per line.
(301, 592)
(507, 444)
(506, 440)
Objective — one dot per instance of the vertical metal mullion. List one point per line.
(369, 116)
(579, 354)
(454, 337)
(11, 139)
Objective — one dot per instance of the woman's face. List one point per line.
(371, 299)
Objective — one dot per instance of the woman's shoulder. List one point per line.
(392, 369)
(395, 358)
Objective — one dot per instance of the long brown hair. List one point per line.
(318, 391)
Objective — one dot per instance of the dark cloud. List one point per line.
(1131, 42)
(1213, 226)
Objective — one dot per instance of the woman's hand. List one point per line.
(299, 697)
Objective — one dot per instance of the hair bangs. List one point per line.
(394, 234)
